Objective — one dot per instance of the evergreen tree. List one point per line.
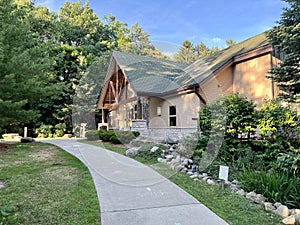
(286, 39)
(186, 53)
(24, 68)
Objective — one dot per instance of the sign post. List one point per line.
(223, 174)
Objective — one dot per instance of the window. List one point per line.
(172, 115)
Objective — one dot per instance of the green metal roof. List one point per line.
(149, 75)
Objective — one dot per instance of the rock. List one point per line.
(297, 212)
(2, 185)
(185, 162)
(277, 204)
(179, 167)
(269, 207)
(27, 140)
(210, 182)
(241, 192)
(193, 176)
(259, 199)
(194, 168)
(67, 136)
(169, 158)
(154, 149)
(291, 220)
(205, 178)
(190, 173)
(190, 161)
(131, 152)
(234, 187)
(203, 175)
(251, 195)
(297, 218)
(176, 160)
(282, 211)
(235, 182)
(196, 179)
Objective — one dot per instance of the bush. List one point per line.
(44, 131)
(288, 164)
(276, 187)
(7, 216)
(117, 137)
(60, 130)
(92, 135)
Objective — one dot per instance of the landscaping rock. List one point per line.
(27, 140)
(2, 185)
(297, 218)
(241, 192)
(179, 168)
(251, 195)
(131, 152)
(282, 211)
(259, 199)
(169, 158)
(193, 176)
(277, 204)
(291, 220)
(269, 207)
(297, 212)
(234, 187)
(190, 173)
(154, 149)
(210, 182)
(235, 182)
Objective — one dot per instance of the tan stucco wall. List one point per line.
(187, 108)
(250, 80)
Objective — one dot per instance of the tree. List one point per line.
(285, 39)
(24, 68)
(230, 42)
(186, 53)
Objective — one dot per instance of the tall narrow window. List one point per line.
(172, 115)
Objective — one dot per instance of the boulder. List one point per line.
(259, 199)
(289, 220)
(169, 158)
(269, 207)
(154, 149)
(210, 182)
(241, 192)
(282, 211)
(27, 140)
(131, 152)
(251, 195)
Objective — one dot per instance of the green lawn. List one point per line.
(234, 209)
(46, 185)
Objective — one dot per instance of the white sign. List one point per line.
(223, 173)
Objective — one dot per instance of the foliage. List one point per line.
(60, 130)
(117, 137)
(145, 155)
(24, 68)
(288, 164)
(44, 131)
(286, 40)
(92, 135)
(7, 216)
(276, 121)
(276, 187)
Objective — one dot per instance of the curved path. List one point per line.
(131, 193)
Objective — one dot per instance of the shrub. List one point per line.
(92, 135)
(276, 187)
(7, 216)
(288, 164)
(117, 137)
(44, 131)
(60, 129)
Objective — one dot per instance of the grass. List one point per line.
(46, 185)
(234, 209)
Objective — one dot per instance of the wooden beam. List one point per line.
(113, 91)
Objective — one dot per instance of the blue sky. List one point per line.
(171, 22)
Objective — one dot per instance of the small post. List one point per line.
(25, 131)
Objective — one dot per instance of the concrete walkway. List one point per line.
(131, 193)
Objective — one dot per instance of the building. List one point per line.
(161, 97)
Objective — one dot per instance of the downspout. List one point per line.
(272, 65)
